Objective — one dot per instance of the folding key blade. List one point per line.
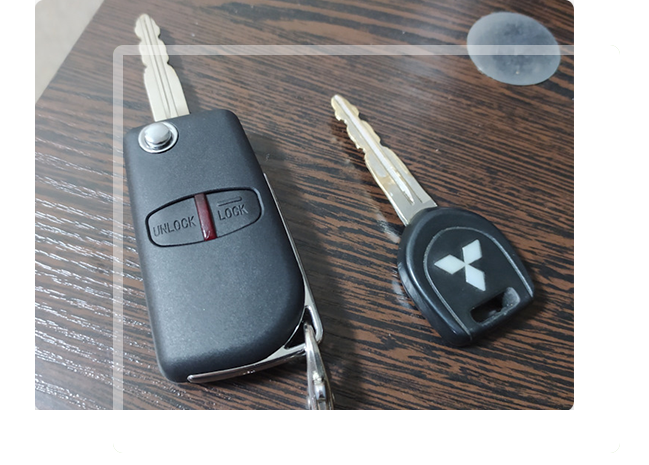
(161, 81)
(399, 185)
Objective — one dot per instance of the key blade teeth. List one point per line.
(149, 34)
(357, 129)
(355, 137)
(151, 45)
(361, 139)
(146, 28)
(349, 114)
(163, 87)
(372, 134)
(401, 188)
(341, 107)
(365, 138)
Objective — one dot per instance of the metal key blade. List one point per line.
(161, 81)
(401, 188)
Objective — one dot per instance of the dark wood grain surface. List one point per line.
(504, 152)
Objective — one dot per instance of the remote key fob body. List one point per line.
(224, 286)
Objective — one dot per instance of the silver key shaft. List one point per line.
(399, 185)
(161, 81)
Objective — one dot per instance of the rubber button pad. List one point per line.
(180, 223)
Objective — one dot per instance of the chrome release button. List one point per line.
(158, 137)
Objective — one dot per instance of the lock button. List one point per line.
(233, 210)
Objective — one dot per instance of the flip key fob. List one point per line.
(224, 287)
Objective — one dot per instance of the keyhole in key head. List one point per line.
(501, 302)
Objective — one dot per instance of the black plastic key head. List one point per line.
(462, 273)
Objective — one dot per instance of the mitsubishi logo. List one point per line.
(470, 254)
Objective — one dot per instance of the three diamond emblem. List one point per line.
(470, 254)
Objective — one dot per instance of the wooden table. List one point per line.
(504, 152)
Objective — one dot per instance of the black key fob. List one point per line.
(225, 289)
(462, 273)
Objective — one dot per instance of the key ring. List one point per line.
(319, 396)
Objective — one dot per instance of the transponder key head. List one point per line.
(462, 273)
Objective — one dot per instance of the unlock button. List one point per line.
(233, 210)
(176, 224)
